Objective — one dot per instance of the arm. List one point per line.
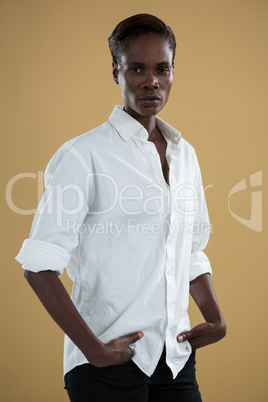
(214, 329)
(54, 297)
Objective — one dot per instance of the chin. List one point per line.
(150, 110)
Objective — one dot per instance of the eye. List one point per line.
(163, 70)
(135, 70)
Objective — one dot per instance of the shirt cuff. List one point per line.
(37, 255)
(199, 265)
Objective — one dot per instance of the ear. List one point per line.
(115, 72)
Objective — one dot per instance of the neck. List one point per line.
(148, 122)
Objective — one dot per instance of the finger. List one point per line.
(127, 357)
(131, 352)
(123, 356)
(185, 336)
(132, 338)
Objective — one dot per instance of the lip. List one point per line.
(150, 100)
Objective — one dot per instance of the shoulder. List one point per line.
(80, 146)
(87, 140)
(187, 148)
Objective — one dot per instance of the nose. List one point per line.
(150, 82)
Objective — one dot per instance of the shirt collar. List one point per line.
(168, 131)
(127, 126)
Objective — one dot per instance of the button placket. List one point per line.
(170, 246)
(157, 164)
(170, 269)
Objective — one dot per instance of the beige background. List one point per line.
(57, 83)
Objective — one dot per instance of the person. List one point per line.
(124, 210)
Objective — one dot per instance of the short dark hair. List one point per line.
(135, 26)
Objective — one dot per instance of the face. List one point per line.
(145, 75)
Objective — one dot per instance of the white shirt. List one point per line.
(131, 242)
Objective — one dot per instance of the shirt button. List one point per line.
(170, 239)
(162, 182)
(153, 152)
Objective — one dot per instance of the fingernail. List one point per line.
(180, 338)
(140, 334)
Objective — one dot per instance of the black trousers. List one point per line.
(127, 383)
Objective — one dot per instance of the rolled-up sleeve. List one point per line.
(63, 207)
(199, 262)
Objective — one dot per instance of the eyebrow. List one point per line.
(163, 63)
